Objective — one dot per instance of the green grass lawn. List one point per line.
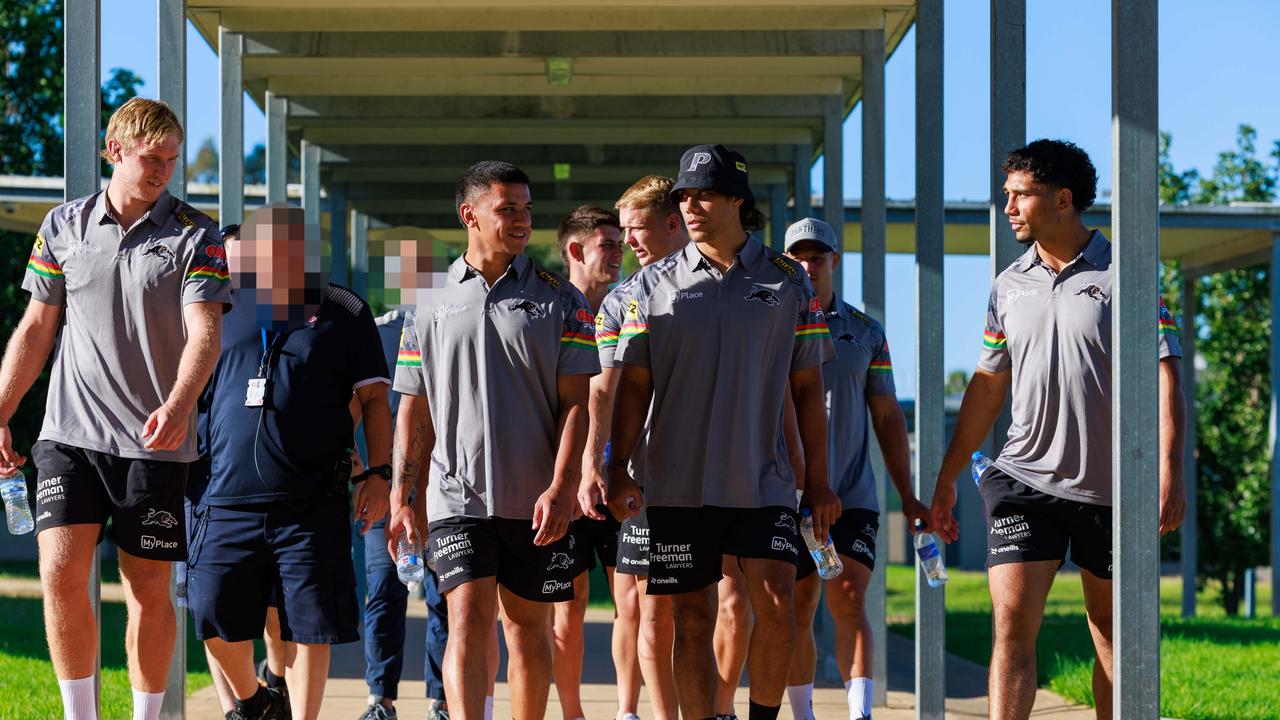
(1212, 666)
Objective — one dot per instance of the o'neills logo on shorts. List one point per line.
(662, 580)
(452, 572)
(554, 586)
(151, 543)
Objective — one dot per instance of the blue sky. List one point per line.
(1217, 70)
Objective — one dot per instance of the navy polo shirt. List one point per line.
(284, 449)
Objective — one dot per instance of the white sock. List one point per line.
(79, 702)
(801, 699)
(858, 691)
(488, 707)
(146, 706)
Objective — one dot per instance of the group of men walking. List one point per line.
(671, 426)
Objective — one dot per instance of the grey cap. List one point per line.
(811, 229)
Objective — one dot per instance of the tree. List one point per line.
(255, 166)
(1233, 332)
(204, 168)
(957, 381)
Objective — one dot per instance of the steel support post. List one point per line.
(1190, 531)
(277, 151)
(230, 127)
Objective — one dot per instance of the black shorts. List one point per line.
(591, 539)
(687, 544)
(242, 558)
(854, 537)
(466, 549)
(633, 545)
(1025, 525)
(142, 498)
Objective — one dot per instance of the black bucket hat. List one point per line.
(713, 167)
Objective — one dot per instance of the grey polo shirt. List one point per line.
(487, 360)
(123, 291)
(721, 349)
(1053, 330)
(862, 368)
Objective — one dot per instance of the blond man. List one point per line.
(137, 282)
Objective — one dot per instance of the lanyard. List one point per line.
(277, 339)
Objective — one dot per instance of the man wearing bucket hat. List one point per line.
(858, 383)
(722, 315)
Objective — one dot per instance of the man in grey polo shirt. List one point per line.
(711, 339)
(136, 281)
(1048, 336)
(860, 380)
(493, 375)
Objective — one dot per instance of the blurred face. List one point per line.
(598, 255)
(499, 219)
(709, 214)
(649, 235)
(269, 268)
(143, 171)
(818, 262)
(1035, 208)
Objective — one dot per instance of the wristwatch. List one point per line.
(382, 471)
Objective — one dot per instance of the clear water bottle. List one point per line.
(408, 563)
(930, 557)
(824, 554)
(13, 488)
(980, 464)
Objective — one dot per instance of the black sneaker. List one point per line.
(278, 707)
(271, 706)
(378, 711)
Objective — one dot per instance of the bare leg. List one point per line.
(66, 554)
(1018, 592)
(152, 625)
(529, 662)
(657, 640)
(732, 633)
(1097, 603)
(226, 698)
(846, 599)
(626, 632)
(694, 659)
(234, 661)
(808, 591)
(473, 608)
(280, 654)
(306, 676)
(567, 648)
(771, 585)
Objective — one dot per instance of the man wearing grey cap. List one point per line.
(860, 380)
(711, 338)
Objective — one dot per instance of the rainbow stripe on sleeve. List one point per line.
(994, 340)
(632, 329)
(606, 338)
(576, 338)
(409, 358)
(44, 268)
(1168, 327)
(812, 331)
(881, 366)
(200, 272)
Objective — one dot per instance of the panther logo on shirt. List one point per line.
(847, 338)
(161, 251)
(764, 295)
(786, 521)
(560, 561)
(160, 518)
(529, 307)
(1093, 291)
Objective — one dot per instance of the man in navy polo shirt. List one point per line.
(274, 517)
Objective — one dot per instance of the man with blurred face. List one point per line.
(273, 521)
(493, 373)
(723, 314)
(143, 282)
(643, 632)
(590, 242)
(858, 382)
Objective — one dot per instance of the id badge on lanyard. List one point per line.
(256, 394)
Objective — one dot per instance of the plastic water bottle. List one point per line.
(408, 563)
(824, 555)
(13, 488)
(930, 557)
(980, 465)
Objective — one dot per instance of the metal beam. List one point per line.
(82, 113)
(388, 173)
(230, 128)
(1008, 131)
(535, 85)
(1275, 420)
(360, 253)
(311, 183)
(339, 223)
(1189, 534)
(277, 150)
(833, 177)
(1134, 372)
(540, 45)
(657, 106)
(802, 193)
(873, 220)
(930, 443)
(560, 132)
(777, 216)
(663, 158)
